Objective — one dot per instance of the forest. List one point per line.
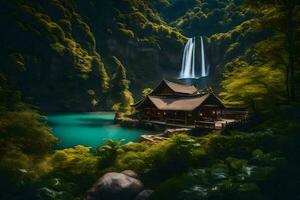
(60, 56)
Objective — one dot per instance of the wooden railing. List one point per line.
(242, 123)
(222, 125)
(205, 124)
(175, 121)
(234, 114)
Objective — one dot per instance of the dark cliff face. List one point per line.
(221, 25)
(49, 54)
(134, 32)
(59, 54)
(146, 65)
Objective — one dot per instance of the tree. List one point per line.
(120, 89)
(280, 16)
(146, 91)
(259, 87)
(109, 152)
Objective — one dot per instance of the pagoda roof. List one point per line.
(178, 103)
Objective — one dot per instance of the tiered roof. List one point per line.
(184, 98)
(179, 88)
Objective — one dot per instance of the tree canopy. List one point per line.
(120, 89)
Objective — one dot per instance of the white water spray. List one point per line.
(204, 70)
(188, 60)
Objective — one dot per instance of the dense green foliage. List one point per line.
(234, 165)
(134, 32)
(25, 141)
(146, 91)
(109, 152)
(264, 76)
(206, 17)
(119, 82)
(51, 50)
(50, 53)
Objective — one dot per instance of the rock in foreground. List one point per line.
(115, 186)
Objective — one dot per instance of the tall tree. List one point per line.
(279, 15)
(120, 89)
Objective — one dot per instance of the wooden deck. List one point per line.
(221, 124)
(212, 125)
(168, 124)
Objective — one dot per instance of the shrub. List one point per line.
(109, 152)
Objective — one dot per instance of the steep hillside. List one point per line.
(49, 53)
(202, 17)
(226, 48)
(135, 33)
(51, 49)
(225, 25)
(59, 54)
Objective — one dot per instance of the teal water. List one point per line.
(89, 129)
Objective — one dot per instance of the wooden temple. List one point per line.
(173, 103)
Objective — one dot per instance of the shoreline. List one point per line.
(67, 113)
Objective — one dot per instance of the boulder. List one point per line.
(144, 195)
(130, 173)
(115, 186)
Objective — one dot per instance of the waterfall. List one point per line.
(188, 60)
(204, 70)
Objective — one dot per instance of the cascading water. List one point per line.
(188, 60)
(204, 69)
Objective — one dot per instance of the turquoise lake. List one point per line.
(89, 129)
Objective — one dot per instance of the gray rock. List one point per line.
(115, 186)
(144, 195)
(130, 173)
